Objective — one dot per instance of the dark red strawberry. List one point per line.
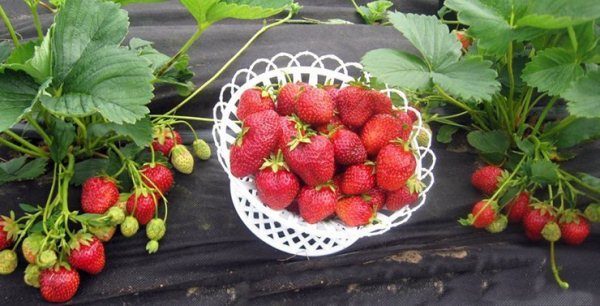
(254, 100)
(317, 203)
(260, 134)
(380, 130)
(5, 242)
(518, 207)
(357, 179)
(376, 197)
(158, 176)
(394, 166)
(332, 90)
(483, 214)
(88, 255)
(354, 106)
(348, 148)
(535, 220)
(487, 178)
(354, 211)
(294, 207)
(574, 228)
(400, 198)
(59, 285)
(311, 157)
(314, 106)
(144, 205)
(277, 186)
(98, 195)
(382, 104)
(288, 96)
(405, 115)
(165, 139)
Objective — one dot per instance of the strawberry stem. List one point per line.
(555, 271)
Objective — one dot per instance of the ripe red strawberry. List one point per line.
(380, 130)
(332, 90)
(287, 97)
(88, 255)
(314, 106)
(277, 186)
(5, 242)
(487, 178)
(535, 220)
(400, 198)
(165, 139)
(357, 179)
(354, 211)
(312, 159)
(98, 195)
(260, 135)
(316, 203)
(354, 106)
(144, 205)
(158, 176)
(394, 166)
(483, 214)
(464, 40)
(381, 103)
(405, 115)
(376, 197)
(517, 207)
(347, 148)
(574, 229)
(254, 100)
(59, 285)
(330, 127)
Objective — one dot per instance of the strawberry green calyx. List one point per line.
(201, 149)
(569, 216)
(47, 259)
(32, 276)
(415, 185)
(80, 239)
(10, 226)
(8, 262)
(551, 231)
(498, 225)
(592, 212)
(152, 246)
(275, 162)
(330, 184)
(130, 226)
(155, 229)
(182, 159)
(116, 215)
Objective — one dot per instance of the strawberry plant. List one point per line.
(82, 96)
(521, 78)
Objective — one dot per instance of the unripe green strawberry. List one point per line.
(423, 137)
(130, 226)
(182, 159)
(201, 149)
(47, 259)
(592, 212)
(31, 247)
(32, 276)
(103, 233)
(152, 246)
(551, 231)
(8, 262)
(498, 225)
(155, 229)
(116, 215)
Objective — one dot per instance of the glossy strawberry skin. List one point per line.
(144, 205)
(316, 205)
(517, 207)
(253, 100)
(394, 167)
(89, 258)
(354, 106)
(314, 106)
(277, 189)
(574, 233)
(381, 103)
(534, 221)
(380, 130)
(464, 40)
(171, 139)
(287, 98)
(354, 211)
(4, 241)
(332, 90)
(98, 195)
(159, 175)
(486, 179)
(357, 179)
(377, 198)
(348, 148)
(483, 214)
(59, 286)
(262, 135)
(400, 198)
(313, 162)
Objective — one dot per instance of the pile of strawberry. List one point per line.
(323, 152)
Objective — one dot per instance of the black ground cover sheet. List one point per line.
(210, 257)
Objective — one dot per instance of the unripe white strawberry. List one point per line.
(182, 159)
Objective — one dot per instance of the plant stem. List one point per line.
(560, 282)
(38, 129)
(511, 76)
(36, 21)
(19, 148)
(202, 119)
(229, 62)
(9, 26)
(181, 51)
(540, 120)
(461, 105)
(22, 141)
(560, 126)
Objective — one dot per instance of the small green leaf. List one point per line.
(63, 135)
(526, 146)
(579, 131)
(471, 79)
(140, 132)
(397, 68)
(17, 94)
(543, 172)
(375, 11)
(22, 53)
(145, 50)
(489, 142)
(28, 208)
(590, 180)
(583, 96)
(37, 62)
(88, 168)
(5, 50)
(207, 12)
(131, 150)
(445, 133)
(552, 70)
(127, 2)
(19, 169)
(556, 14)
(509, 195)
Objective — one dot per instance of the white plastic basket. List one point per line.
(284, 230)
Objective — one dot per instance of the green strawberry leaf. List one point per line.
(583, 96)
(140, 131)
(444, 134)
(397, 68)
(526, 146)
(207, 12)
(471, 78)
(543, 172)
(28, 208)
(19, 169)
(556, 14)
(552, 70)
(35, 61)
(577, 132)
(63, 135)
(88, 168)
(18, 92)
(375, 11)
(127, 2)
(5, 51)
(590, 180)
(22, 53)
(492, 142)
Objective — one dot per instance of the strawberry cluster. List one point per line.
(321, 152)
